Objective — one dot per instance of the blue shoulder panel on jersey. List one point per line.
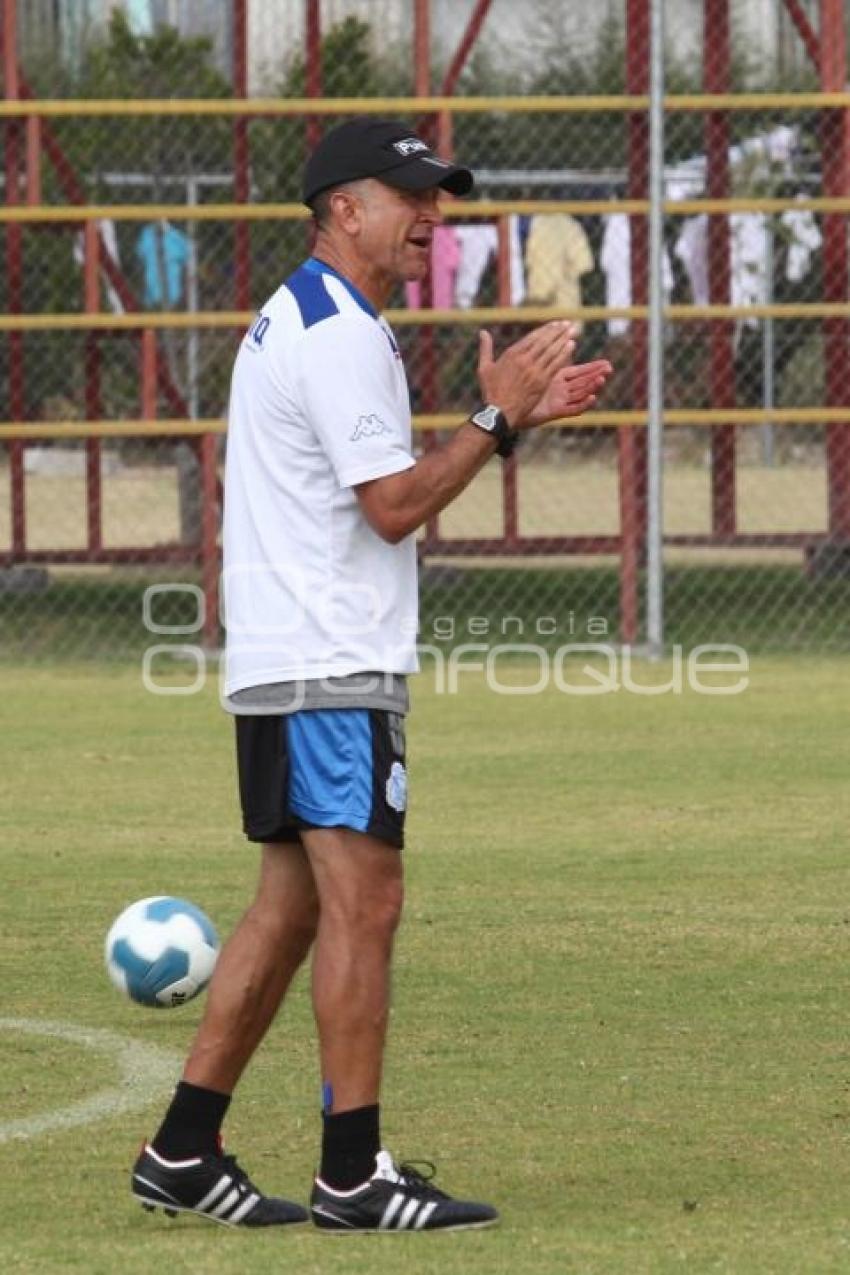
(315, 267)
(311, 296)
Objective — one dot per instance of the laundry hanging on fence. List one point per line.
(478, 246)
(445, 259)
(557, 255)
(805, 239)
(691, 248)
(163, 251)
(518, 230)
(749, 253)
(616, 260)
(749, 260)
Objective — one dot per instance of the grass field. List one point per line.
(621, 995)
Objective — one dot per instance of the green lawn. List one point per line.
(96, 616)
(620, 1004)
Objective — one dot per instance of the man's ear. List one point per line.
(347, 210)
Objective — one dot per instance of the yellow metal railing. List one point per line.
(36, 431)
(50, 213)
(138, 320)
(301, 106)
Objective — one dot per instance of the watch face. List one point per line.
(487, 418)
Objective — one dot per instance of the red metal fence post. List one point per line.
(806, 32)
(148, 376)
(722, 363)
(428, 376)
(241, 160)
(313, 67)
(835, 161)
(14, 274)
(455, 69)
(33, 165)
(93, 400)
(442, 136)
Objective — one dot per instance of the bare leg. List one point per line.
(359, 882)
(255, 968)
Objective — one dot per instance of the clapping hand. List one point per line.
(533, 381)
(571, 391)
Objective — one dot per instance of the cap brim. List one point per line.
(424, 173)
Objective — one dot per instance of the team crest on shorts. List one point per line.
(397, 787)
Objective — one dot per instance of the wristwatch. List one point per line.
(494, 422)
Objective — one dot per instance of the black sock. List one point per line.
(192, 1122)
(350, 1142)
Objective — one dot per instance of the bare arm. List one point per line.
(396, 505)
(520, 383)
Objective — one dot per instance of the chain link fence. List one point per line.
(147, 240)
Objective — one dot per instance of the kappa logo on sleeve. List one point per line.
(370, 426)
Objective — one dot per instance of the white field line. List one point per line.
(145, 1072)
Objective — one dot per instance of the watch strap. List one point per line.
(493, 421)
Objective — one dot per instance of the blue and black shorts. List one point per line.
(322, 768)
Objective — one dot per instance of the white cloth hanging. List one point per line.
(616, 260)
(805, 239)
(516, 258)
(748, 238)
(478, 245)
(691, 248)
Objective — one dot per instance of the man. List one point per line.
(323, 495)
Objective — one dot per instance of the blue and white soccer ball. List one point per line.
(161, 951)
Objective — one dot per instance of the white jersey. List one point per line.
(319, 403)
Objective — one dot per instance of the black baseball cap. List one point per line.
(384, 149)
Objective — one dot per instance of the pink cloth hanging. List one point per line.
(445, 259)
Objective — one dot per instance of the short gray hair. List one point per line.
(320, 205)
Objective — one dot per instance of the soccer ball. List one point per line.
(161, 951)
